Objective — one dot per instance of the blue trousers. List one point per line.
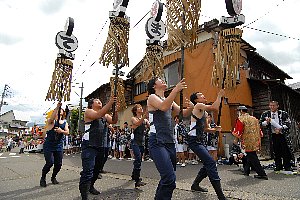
(138, 153)
(52, 158)
(209, 165)
(164, 157)
(106, 151)
(92, 159)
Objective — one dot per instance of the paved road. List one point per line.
(19, 179)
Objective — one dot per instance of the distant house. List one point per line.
(295, 86)
(9, 124)
(104, 92)
(259, 82)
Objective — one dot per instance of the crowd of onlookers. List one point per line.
(26, 143)
(119, 143)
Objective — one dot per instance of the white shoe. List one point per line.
(121, 158)
(178, 163)
(183, 165)
(114, 158)
(109, 156)
(194, 162)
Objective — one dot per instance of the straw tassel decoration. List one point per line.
(60, 86)
(227, 58)
(154, 59)
(120, 92)
(118, 35)
(179, 13)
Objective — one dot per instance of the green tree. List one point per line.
(74, 120)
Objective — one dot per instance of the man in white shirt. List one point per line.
(277, 123)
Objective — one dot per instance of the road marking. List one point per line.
(15, 156)
(3, 157)
(12, 154)
(1, 154)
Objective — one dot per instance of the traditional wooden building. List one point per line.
(259, 81)
(9, 124)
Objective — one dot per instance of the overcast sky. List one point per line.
(28, 29)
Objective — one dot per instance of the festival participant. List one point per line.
(93, 151)
(212, 138)
(161, 140)
(247, 128)
(179, 143)
(139, 123)
(53, 145)
(197, 128)
(107, 147)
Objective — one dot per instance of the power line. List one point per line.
(99, 34)
(140, 20)
(49, 108)
(277, 34)
(90, 48)
(262, 15)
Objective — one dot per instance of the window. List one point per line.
(172, 73)
(140, 88)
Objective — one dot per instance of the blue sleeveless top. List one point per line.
(96, 133)
(139, 135)
(54, 141)
(161, 126)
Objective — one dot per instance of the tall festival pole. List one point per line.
(115, 50)
(227, 52)
(60, 86)
(155, 30)
(182, 30)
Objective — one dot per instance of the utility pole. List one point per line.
(80, 108)
(4, 94)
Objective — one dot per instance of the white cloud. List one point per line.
(29, 28)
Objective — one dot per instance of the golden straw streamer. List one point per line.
(118, 36)
(60, 86)
(154, 59)
(182, 12)
(120, 92)
(227, 58)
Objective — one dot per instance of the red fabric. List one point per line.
(261, 133)
(239, 128)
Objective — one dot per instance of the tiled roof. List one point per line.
(295, 85)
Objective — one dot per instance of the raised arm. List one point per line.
(214, 106)
(64, 131)
(164, 105)
(54, 114)
(91, 114)
(187, 111)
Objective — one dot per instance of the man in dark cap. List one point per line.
(247, 128)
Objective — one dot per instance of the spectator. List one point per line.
(278, 123)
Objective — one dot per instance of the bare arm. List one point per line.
(155, 102)
(50, 121)
(137, 122)
(112, 120)
(187, 111)
(64, 131)
(147, 123)
(91, 114)
(214, 106)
